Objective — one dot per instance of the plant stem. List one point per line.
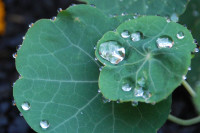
(189, 88)
(184, 122)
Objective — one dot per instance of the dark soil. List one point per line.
(19, 14)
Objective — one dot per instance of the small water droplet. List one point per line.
(105, 100)
(189, 68)
(20, 114)
(180, 35)
(19, 47)
(196, 50)
(14, 55)
(146, 95)
(44, 124)
(53, 18)
(30, 25)
(23, 37)
(153, 103)
(13, 103)
(118, 101)
(125, 34)
(136, 36)
(141, 82)
(138, 92)
(164, 42)
(126, 87)
(112, 52)
(95, 59)
(99, 91)
(92, 5)
(73, 4)
(174, 17)
(59, 10)
(100, 69)
(25, 106)
(184, 77)
(95, 47)
(134, 103)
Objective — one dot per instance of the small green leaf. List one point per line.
(57, 91)
(157, 56)
(143, 7)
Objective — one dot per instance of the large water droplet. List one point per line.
(180, 35)
(174, 17)
(25, 106)
(126, 87)
(134, 103)
(112, 52)
(136, 36)
(138, 92)
(44, 124)
(125, 34)
(164, 42)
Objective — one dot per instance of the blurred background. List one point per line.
(16, 15)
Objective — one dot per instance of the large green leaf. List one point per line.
(192, 20)
(59, 79)
(151, 71)
(143, 7)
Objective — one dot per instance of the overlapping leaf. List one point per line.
(143, 7)
(59, 79)
(160, 69)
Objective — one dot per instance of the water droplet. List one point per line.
(168, 20)
(123, 14)
(95, 59)
(189, 68)
(20, 114)
(118, 101)
(44, 124)
(126, 87)
(30, 25)
(180, 35)
(174, 17)
(73, 4)
(141, 82)
(100, 69)
(153, 103)
(105, 100)
(92, 5)
(25, 106)
(146, 95)
(164, 42)
(138, 92)
(23, 37)
(112, 52)
(184, 77)
(195, 41)
(13, 103)
(125, 34)
(136, 36)
(95, 47)
(19, 47)
(134, 103)
(99, 91)
(14, 55)
(53, 18)
(196, 50)
(59, 10)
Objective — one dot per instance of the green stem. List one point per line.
(184, 122)
(189, 88)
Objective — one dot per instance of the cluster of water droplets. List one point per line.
(136, 36)
(112, 51)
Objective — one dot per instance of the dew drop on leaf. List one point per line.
(125, 34)
(126, 87)
(180, 35)
(112, 52)
(196, 50)
(30, 25)
(138, 92)
(13, 103)
(184, 77)
(53, 18)
(14, 55)
(25, 106)
(134, 103)
(105, 100)
(44, 124)
(141, 82)
(164, 42)
(136, 36)
(99, 91)
(189, 68)
(59, 10)
(174, 17)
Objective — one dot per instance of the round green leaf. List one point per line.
(143, 7)
(151, 71)
(59, 79)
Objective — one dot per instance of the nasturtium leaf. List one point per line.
(157, 56)
(143, 7)
(192, 20)
(57, 90)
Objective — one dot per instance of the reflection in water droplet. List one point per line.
(92, 5)
(134, 103)
(164, 42)
(138, 92)
(59, 10)
(125, 34)
(14, 55)
(44, 124)
(189, 68)
(136, 36)
(126, 87)
(180, 35)
(174, 17)
(196, 50)
(25, 106)
(112, 52)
